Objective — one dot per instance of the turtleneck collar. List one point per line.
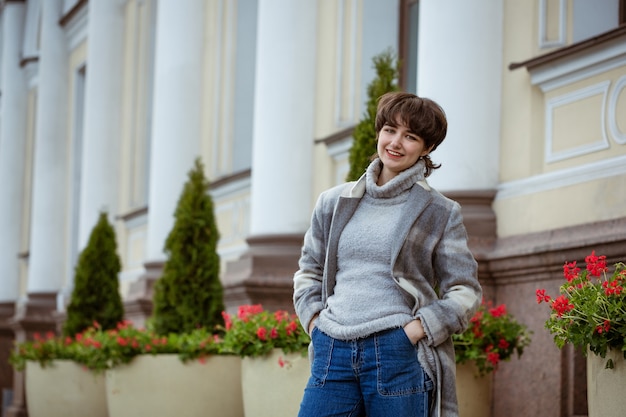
(397, 185)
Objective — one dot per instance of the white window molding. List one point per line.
(544, 42)
(351, 37)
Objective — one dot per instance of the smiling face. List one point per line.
(398, 149)
(407, 127)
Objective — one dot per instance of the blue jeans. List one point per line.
(378, 376)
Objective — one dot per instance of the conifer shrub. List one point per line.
(364, 135)
(96, 296)
(189, 294)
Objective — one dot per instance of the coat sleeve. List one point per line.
(459, 290)
(308, 280)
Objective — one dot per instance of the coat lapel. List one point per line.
(418, 199)
(344, 209)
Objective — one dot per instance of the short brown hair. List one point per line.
(422, 116)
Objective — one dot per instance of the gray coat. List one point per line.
(430, 260)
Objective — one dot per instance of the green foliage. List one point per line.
(96, 296)
(189, 295)
(41, 350)
(256, 332)
(590, 312)
(98, 349)
(364, 145)
(493, 336)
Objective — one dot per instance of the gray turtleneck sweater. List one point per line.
(366, 299)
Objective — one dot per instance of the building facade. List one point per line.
(106, 103)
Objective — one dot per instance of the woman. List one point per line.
(385, 278)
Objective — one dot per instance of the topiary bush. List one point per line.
(96, 296)
(364, 144)
(189, 294)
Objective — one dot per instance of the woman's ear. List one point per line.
(425, 152)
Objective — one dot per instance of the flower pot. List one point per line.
(474, 393)
(272, 390)
(64, 389)
(163, 386)
(605, 387)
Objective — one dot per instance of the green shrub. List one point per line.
(189, 295)
(364, 144)
(96, 296)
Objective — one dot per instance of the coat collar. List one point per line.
(357, 189)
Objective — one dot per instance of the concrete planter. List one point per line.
(163, 386)
(64, 389)
(272, 390)
(605, 387)
(474, 393)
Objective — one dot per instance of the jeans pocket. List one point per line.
(399, 371)
(320, 351)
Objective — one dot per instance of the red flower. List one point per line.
(570, 271)
(245, 311)
(121, 341)
(493, 357)
(261, 333)
(291, 328)
(542, 296)
(273, 333)
(498, 311)
(562, 305)
(228, 321)
(604, 328)
(124, 324)
(596, 264)
(503, 344)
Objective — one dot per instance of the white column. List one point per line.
(12, 148)
(284, 115)
(49, 203)
(459, 66)
(177, 118)
(103, 104)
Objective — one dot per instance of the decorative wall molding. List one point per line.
(31, 32)
(544, 42)
(75, 24)
(233, 197)
(583, 66)
(340, 151)
(606, 168)
(31, 71)
(344, 37)
(568, 98)
(619, 88)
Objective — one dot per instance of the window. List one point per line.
(593, 18)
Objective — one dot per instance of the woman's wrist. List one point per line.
(312, 323)
(415, 330)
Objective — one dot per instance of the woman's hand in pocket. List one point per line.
(414, 331)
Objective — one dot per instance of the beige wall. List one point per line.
(557, 147)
